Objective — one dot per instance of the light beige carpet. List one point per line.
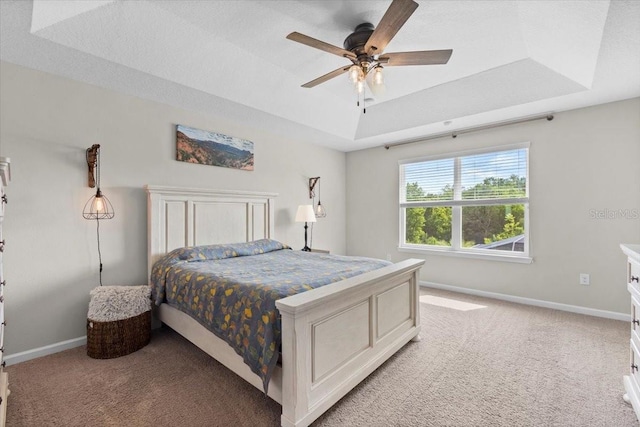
(503, 365)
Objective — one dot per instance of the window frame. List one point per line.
(456, 249)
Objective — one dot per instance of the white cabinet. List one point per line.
(5, 177)
(632, 381)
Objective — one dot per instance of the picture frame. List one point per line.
(213, 148)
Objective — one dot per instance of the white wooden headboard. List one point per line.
(178, 217)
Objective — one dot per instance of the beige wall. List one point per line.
(583, 160)
(51, 259)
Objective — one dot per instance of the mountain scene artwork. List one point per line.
(211, 148)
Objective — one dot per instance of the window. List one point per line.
(472, 203)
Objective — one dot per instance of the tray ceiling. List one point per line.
(230, 58)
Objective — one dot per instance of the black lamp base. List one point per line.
(306, 248)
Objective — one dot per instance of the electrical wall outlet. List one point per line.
(584, 279)
(388, 256)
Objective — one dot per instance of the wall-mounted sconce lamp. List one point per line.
(318, 209)
(98, 206)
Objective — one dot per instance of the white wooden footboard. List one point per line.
(335, 336)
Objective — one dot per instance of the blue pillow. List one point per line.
(212, 252)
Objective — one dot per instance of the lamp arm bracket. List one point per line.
(92, 161)
(312, 185)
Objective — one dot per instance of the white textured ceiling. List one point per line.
(231, 58)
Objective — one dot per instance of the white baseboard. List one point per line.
(23, 356)
(530, 301)
(12, 359)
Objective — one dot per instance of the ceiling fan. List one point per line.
(364, 48)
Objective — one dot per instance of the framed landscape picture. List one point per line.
(211, 148)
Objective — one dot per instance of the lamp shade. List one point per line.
(320, 211)
(305, 214)
(98, 207)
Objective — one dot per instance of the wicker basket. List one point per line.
(106, 340)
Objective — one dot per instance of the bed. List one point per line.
(332, 337)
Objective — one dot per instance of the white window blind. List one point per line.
(432, 177)
(484, 178)
(504, 172)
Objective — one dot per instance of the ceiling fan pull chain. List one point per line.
(364, 98)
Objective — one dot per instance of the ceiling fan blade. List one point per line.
(424, 57)
(394, 18)
(318, 44)
(328, 76)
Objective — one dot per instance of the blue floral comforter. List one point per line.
(232, 290)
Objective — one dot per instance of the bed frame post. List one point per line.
(294, 404)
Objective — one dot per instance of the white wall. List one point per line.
(51, 259)
(582, 160)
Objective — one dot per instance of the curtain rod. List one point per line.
(454, 134)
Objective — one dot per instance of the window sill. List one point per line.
(465, 254)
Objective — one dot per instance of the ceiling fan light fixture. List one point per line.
(355, 74)
(378, 78)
